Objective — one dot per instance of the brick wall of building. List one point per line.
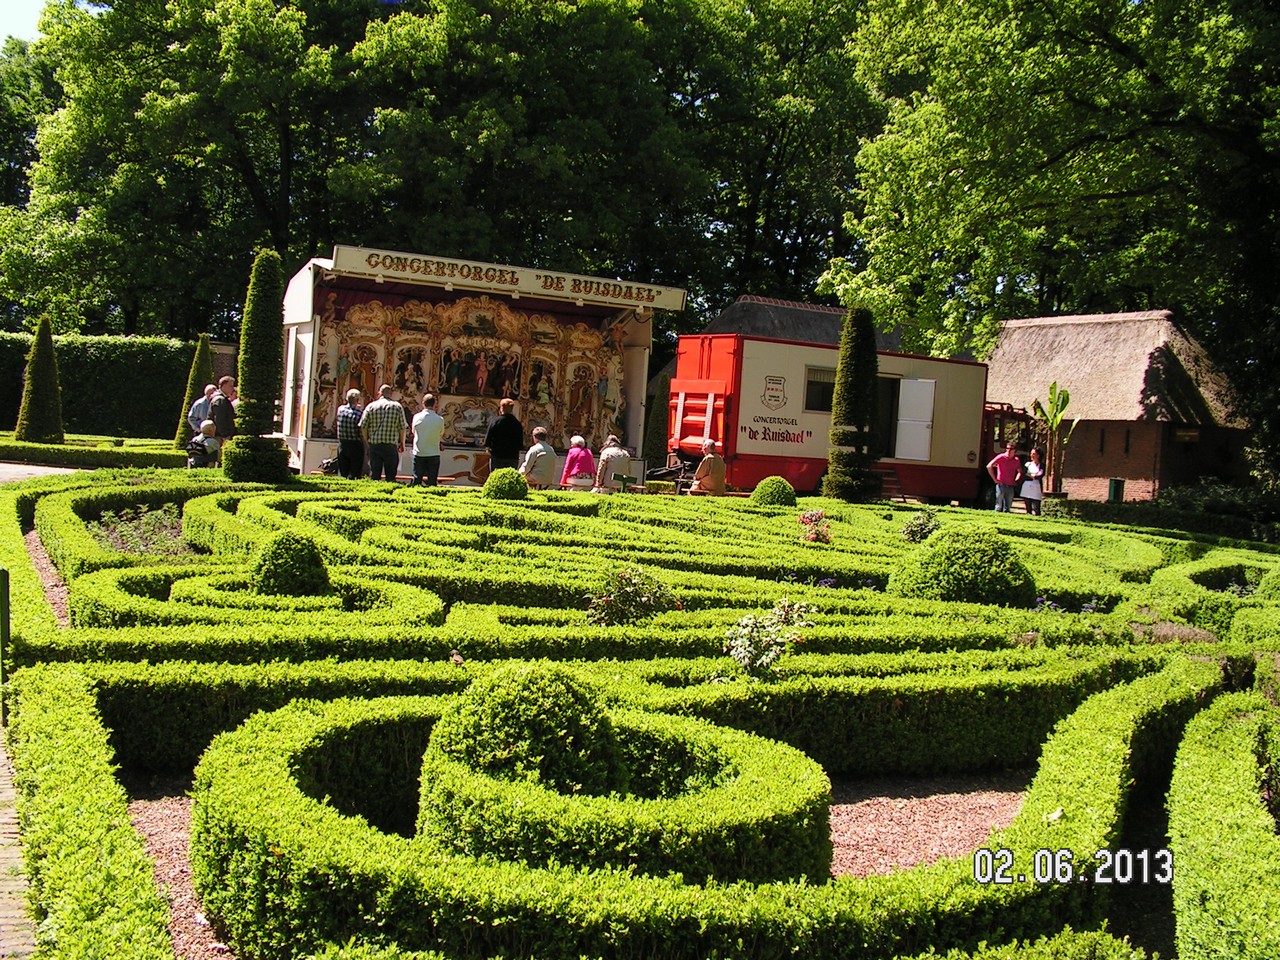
(1147, 456)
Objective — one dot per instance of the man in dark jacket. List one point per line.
(505, 437)
(221, 410)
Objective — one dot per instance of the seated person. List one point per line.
(202, 449)
(539, 467)
(613, 459)
(708, 479)
(579, 465)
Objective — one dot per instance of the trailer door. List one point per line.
(915, 420)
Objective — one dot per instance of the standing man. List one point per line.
(505, 437)
(222, 410)
(383, 427)
(1006, 470)
(350, 440)
(428, 428)
(199, 411)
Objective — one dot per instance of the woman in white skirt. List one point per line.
(1032, 488)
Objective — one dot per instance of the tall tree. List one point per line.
(1053, 156)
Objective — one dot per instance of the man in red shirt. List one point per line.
(1006, 470)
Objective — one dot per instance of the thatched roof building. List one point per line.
(1154, 411)
(1118, 366)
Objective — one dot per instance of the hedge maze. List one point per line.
(406, 737)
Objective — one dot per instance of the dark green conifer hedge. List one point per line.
(252, 456)
(853, 413)
(201, 374)
(40, 416)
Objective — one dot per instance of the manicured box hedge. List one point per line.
(1222, 829)
(287, 872)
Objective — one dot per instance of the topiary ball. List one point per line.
(534, 722)
(289, 564)
(969, 566)
(505, 483)
(773, 492)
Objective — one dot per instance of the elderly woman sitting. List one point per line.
(613, 459)
(579, 465)
(708, 479)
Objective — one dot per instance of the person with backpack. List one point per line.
(202, 449)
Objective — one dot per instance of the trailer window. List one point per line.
(819, 388)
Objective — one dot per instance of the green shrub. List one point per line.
(250, 459)
(728, 806)
(1269, 586)
(201, 373)
(974, 566)
(773, 492)
(505, 484)
(261, 366)
(921, 526)
(1223, 834)
(290, 565)
(40, 416)
(629, 596)
(851, 456)
(534, 722)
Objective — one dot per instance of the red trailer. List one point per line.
(767, 404)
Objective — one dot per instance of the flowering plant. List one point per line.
(756, 643)
(817, 528)
(630, 596)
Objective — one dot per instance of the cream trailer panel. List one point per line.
(775, 415)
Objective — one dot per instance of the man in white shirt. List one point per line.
(428, 428)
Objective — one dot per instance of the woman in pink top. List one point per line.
(579, 465)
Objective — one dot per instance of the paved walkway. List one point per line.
(17, 932)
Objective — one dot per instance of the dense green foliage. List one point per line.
(261, 369)
(974, 565)
(1062, 157)
(289, 565)
(201, 374)
(505, 483)
(615, 137)
(1223, 801)
(251, 456)
(854, 448)
(773, 492)
(534, 723)
(40, 414)
(121, 386)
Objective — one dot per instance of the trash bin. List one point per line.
(1115, 490)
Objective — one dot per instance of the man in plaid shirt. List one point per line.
(350, 440)
(383, 425)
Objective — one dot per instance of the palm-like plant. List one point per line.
(1054, 416)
